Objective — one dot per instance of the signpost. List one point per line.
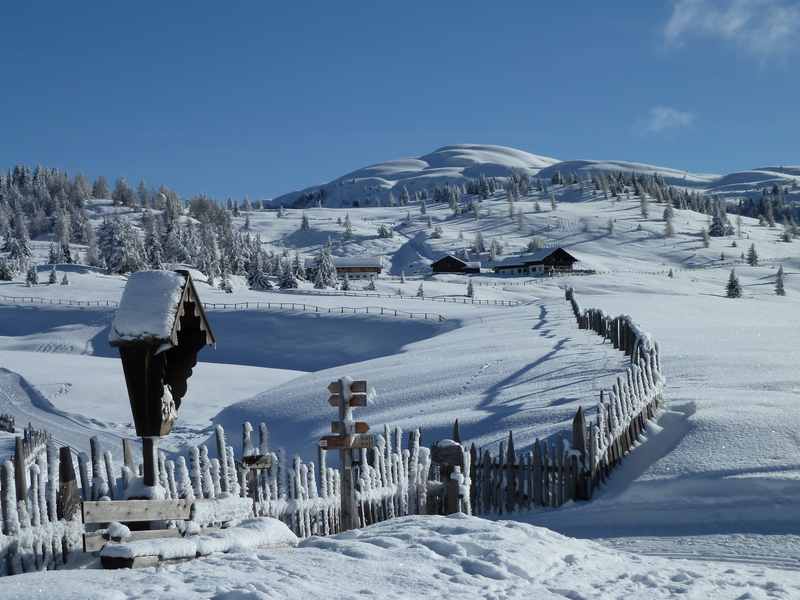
(348, 435)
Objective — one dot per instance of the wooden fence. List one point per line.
(244, 306)
(443, 299)
(567, 468)
(42, 527)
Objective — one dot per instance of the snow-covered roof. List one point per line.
(525, 259)
(148, 307)
(474, 264)
(351, 261)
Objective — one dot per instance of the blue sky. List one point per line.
(260, 98)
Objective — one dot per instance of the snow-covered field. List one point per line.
(717, 479)
(422, 557)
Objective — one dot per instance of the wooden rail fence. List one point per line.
(245, 306)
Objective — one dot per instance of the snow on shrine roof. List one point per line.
(148, 307)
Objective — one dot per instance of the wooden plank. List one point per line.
(355, 400)
(69, 498)
(357, 440)
(136, 510)
(94, 541)
(340, 428)
(138, 562)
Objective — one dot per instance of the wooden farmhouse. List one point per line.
(452, 264)
(542, 262)
(355, 267)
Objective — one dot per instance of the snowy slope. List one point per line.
(421, 557)
(449, 164)
(671, 176)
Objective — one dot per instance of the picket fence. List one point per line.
(41, 494)
(245, 306)
(566, 468)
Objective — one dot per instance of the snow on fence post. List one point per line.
(222, 455)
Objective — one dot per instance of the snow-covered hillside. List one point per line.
(447, 165)
(457, 164)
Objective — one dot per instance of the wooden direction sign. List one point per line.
(356, 440)
(356, 387)
(341, 428)
(355, 400)
(257, 461)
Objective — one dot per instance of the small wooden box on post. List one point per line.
(159, 328)
(346, 394)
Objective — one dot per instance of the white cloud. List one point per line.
(664, 118)
(763, 28)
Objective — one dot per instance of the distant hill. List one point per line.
(449, 164)
(456, 164)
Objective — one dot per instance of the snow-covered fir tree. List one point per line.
(65, 279)
(780, 290)
(752, 256)
(325, 275)
(304, 224)
(53, 277)
(32, 276)
(6, 271)
(733, 289)
(470, 289)
(287, 279)
(420, 291)
(345, 283)
(348, 227)
(370, 287)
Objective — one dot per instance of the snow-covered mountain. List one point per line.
(449, 164)
(371, 186)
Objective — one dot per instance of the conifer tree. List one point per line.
(420, 291)
(32, 276)
(348, 227)
(65, 279)
(298, 267)
(304, 224)
(752, 256)
(6, 271)
(345, 285)
(470, 289)
(325, 276)
(644, 207)
(370, 287)
(779, 289)
(287, 279)
(733, 289)
(53, 277)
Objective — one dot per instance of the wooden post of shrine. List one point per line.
(347, 394)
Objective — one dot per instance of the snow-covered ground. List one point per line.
(422, 557)
(717, 479)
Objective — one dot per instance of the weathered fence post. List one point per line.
(68, 496)
(20, 481)
(583, 484)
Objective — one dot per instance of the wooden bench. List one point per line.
(100, 512)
